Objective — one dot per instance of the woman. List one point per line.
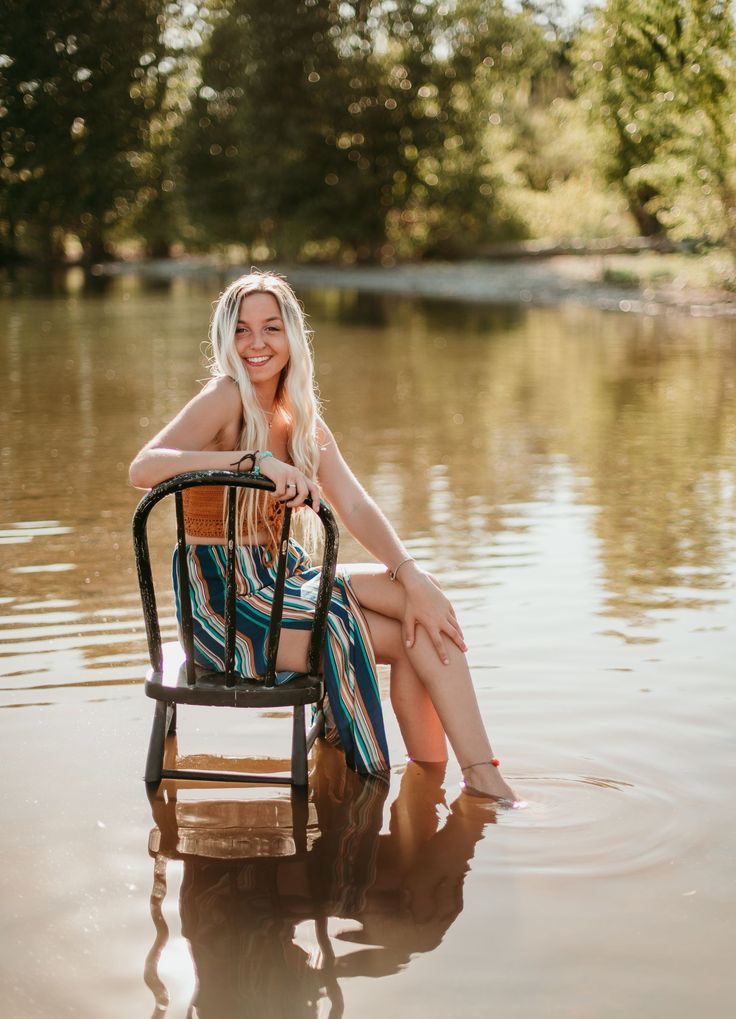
(259, 411)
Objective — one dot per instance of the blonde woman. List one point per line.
(259, 411)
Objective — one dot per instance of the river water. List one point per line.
(569, 473)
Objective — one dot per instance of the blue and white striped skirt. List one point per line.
(353, 713)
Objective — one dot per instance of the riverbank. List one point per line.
(646, 283)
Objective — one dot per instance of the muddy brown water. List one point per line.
(569, 473)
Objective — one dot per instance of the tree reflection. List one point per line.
(473, 412)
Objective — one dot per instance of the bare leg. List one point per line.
(450, 687)
(419, 723)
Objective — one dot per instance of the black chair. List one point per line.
(190, 683)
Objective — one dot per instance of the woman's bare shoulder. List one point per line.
(214, 408)
(223, 387)
(220, 396)
(226, 407)
(323, 434)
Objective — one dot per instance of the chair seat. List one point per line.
(210, 688)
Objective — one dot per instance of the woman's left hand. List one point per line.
(427, 606)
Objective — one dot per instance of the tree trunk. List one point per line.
(158, 247)
(728, 201)
(9, 242)
(51, 244)
(94, 245)
(649, 225)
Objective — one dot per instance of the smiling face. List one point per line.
(261, 342)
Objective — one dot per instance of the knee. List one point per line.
(389, 645)
(390, 654)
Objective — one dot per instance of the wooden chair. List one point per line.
(190, 683)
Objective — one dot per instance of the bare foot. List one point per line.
(487, 781)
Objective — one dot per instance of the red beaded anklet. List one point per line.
(494, 761)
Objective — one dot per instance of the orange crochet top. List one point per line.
(204, 509)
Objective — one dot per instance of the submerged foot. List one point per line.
(485, 780)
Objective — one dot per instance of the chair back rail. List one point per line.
(232, 482)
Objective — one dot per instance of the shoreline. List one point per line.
(534, 281)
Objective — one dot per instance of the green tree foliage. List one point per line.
(659, 75)
(79, 86)
(361, 127)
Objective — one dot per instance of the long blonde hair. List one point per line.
(296, 397)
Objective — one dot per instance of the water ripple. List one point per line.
(593, 825)
(59, 644)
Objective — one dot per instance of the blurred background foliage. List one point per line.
(364, 130)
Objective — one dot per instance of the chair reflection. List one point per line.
(255, 871)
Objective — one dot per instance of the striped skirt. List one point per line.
(353, 713)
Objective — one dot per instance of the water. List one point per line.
(569, 473)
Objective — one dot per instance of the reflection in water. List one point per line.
(497, 408)
(255, 873)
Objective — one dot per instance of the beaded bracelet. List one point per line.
(258, 457)
(255, 458)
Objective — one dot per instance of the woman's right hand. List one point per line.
(293, 487)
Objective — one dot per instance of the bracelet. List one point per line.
(392, 573)
(245, 456)
(255, 458)
(260, 455)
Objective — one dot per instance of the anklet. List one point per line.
(494, 761)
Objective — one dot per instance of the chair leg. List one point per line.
(300, 816)
(150, 970)
(299, 748)
(317, 727)
(171, 719)
(155, 758)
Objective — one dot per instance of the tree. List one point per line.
(79, 84)
(698, 162)
(360, 127)
(660, 76)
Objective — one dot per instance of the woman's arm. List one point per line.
(354, 506)
(191, 442)
(425, 602)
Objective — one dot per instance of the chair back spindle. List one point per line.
(324, 592)
(182, 569)
(232, 501)
(274, 628)
(145, 583)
